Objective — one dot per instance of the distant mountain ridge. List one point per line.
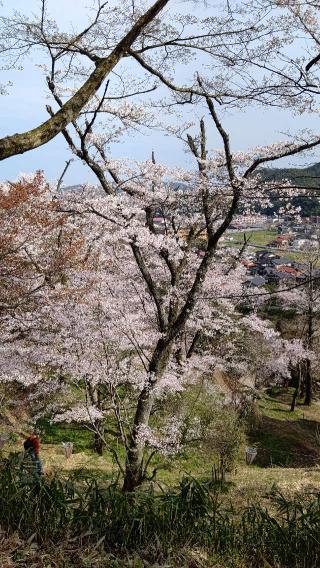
(308, 177)
(302, 177)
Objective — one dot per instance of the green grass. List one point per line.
(276, 404)
(257, 239)
(298, 256)
(260, 238)
(80, 436)
(285, 438)
(287, 441)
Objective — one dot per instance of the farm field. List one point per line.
(260, 239)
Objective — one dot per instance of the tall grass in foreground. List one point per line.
(285, 533)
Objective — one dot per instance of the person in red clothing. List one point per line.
(32, 448)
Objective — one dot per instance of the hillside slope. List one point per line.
(306, 178)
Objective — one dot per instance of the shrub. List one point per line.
(225, 437)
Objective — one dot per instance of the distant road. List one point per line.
(271, 249)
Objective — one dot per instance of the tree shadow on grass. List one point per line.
(287, 443)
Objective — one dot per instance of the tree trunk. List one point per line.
(302, 387)
(134, 462)
(99, 444)
(308, 385)
(294, 398)
(309, 339)
(134, 474)
(94, 395)
(297, 389)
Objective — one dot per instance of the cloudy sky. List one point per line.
(24, 107)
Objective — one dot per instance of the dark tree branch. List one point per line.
(65, 169)
(285, 153)
(150, 284)
(84, 155)
(313, 62)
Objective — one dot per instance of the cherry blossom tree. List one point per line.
(35, 242)
(39, 249)
(159, 307)
(145, 302)
(305, 298)
(179, 284)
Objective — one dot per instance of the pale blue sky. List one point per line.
(24, 108)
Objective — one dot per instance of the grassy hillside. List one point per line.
(288, 458)
(302, 177)
(288, 445)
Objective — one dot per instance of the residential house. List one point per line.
(282, 261)
(299, 243)
(281, 241)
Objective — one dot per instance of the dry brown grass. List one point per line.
(16, 553)
(55, 461)
(251, 483)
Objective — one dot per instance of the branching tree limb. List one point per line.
(20, 143)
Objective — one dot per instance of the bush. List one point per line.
(225, 437)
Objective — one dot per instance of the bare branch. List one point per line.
(150, 283)
(60, 180)
(285, 153)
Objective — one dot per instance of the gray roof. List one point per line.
(286, 276)
(257, 281)
(282, 260)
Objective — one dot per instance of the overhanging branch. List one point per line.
(20, 143)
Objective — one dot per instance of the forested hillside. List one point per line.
(307, 178)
